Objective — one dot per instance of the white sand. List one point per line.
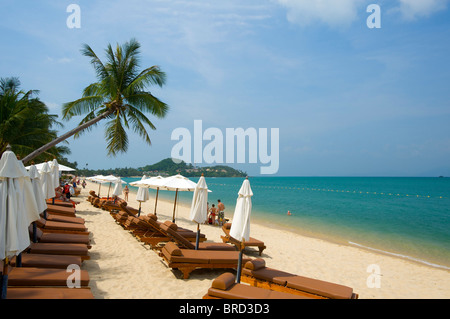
(122, 267)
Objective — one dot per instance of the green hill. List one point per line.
(167, 167)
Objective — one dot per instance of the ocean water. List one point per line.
(404, 217)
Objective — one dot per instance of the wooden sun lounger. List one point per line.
(65, 219)
(187, 260)
(42, 277)
(252, 242)
(47, 261)
(80, 250)
(225, 287)
(49, 293)
(171, 229)
(60, 203)
(60, 227)
(60, 210)
(257, 274)
(59, 238)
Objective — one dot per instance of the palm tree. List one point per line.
(119, 96)
(24, 121)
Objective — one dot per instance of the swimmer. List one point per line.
(289, 213)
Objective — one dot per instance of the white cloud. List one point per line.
(331, 12)
(413, 9)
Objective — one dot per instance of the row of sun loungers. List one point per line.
(177, 249)
(41, 270)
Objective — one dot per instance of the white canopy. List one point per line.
(240, 227)
(61, 168)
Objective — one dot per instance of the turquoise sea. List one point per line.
(405, 217)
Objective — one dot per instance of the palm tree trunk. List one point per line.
(65, 136)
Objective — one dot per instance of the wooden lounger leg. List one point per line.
(186, 271)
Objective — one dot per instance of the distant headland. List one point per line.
(167, 167)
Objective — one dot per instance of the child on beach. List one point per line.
(221, 215)
(212, 215)
(125, 192)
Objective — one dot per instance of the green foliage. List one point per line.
(25, 123)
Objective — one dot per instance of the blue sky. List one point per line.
(348, 100)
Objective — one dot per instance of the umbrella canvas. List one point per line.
(199, 210)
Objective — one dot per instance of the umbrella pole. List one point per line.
(108, 190)
(198, 236)
(174, 205)
(34, 233)
(156, 202)
(139, 213)
(99, 184)
(4, 283)
(239, 268)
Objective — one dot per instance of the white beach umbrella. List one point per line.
(54, 166)
(37, 188)
(240, 227)
(155, 182)
(38, 194)
(178, 183)
(118, 186)
(61, 167)
(142, 194)
(18, 210)
(199, 211)
(48, 187)
(97, 179)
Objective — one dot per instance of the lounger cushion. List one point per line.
(152, 216)
(268, 274)
(25, 276)
(173, 249)
(320, 287)
(241, 291)
(48, 261)
(171, 225)
(224, 281)
(49, 293)
(58, 249)
(255, 264)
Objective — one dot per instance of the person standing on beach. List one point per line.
(221, 214)
(125, 192)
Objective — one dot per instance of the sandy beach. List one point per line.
(121, 267)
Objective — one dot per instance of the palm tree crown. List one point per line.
(119, 96)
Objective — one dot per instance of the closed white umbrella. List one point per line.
(118, 186)
(18, 210)
(199, 210)
(54, 166)
(142, 194)
(240, 227)
(155, 182)
(48, 188)
(38, 194)
(37, 188)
